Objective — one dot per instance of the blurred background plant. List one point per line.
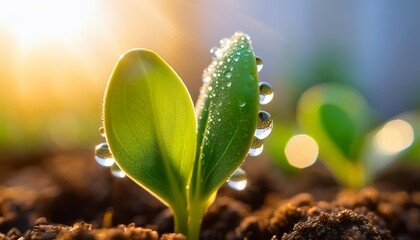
(56, 57)
(341, 122)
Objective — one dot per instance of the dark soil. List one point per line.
(67, 196)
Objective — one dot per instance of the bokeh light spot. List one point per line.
(394, 137)
(301, 151)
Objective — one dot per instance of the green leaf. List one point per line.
(338, 118)
(339, 127)
(150, 125)
(227, 114)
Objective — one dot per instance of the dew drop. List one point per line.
(216, 52)
(259, 63)
(102, 131)
(238, 180)
(238, 33)
(207, 78)
(266, 93)
(225, 41)
(228, 74)
(116, 171)
(103, 155)
(235, 57)
(256, 147)
(264, 126)
(242, 103)
(228, 84)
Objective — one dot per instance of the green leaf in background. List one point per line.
(339, 127)
(150, 126)
(338, 118)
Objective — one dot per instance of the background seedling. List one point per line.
(181, 155)
(342, 123)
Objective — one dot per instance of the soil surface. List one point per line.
(68, 196)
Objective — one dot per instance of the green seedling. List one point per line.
(179, 154)
(341, 122)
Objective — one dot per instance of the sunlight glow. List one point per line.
(33, 21)
(301, 151)
(394, 136)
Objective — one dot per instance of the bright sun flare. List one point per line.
(34, 21)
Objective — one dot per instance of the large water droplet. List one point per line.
(228, 74)
(264, 126)
(238, 180)
(259, 63)
(256, 147)
(216, 52)
(103, 155)
(116, 171)
(266, 93)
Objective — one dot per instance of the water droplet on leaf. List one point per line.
(116, 171)
(256, 147)
(236, 57)
(259, 63)
(228, 74)
(102, 132)
(266, 93)
(237, 33)
(242, 103)
(103, 155)
(224, 42)
(207, 79)
(264, 126)
(238, 180)
(216, 52)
